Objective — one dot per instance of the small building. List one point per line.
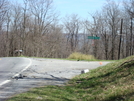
(18, 52)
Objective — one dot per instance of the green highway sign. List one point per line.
(93, 37)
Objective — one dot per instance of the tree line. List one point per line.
(36, 28)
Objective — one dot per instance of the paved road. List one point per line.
(10, 67)
(37, 72)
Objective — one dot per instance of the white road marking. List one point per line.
(24, 68)
(7, 81)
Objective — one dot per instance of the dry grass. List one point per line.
(80, 56)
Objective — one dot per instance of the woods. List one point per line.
(36, 28)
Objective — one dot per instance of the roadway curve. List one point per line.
(37, 72)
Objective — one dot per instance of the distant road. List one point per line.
(38, 72)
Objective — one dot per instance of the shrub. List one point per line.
(80, 56)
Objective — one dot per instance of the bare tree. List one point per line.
(112, 16)
(3, 11)
(4, 7)
(15, 26)
(129, 7)
(72, 27)
(43, 15)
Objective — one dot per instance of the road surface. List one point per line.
(37, 72)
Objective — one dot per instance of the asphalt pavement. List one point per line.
(36, 72)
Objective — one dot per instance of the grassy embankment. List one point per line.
(113, 82)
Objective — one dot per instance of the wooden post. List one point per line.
(120, 39)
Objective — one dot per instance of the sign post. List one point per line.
(93, 37)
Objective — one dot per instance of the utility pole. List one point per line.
(120, 39)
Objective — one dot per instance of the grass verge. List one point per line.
(113, 82)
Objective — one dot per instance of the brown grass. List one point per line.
(80, 56)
